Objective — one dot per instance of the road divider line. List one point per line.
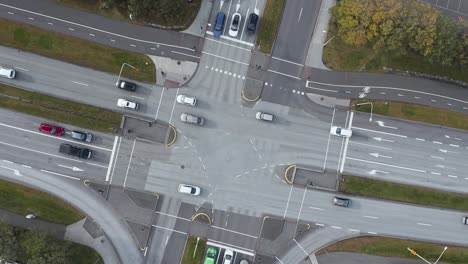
(380, 132)
(227, 44)
(84, 84)
(292, 62)
(354, 230)
(318, 224)
(221, 57)
(371, 217)
(168, 229)
(61, 175)
(320, 89)
(185, 54)
(369, 145)
(424, 224)
(453, 176)
(26, 166)
(284, 74)
(316, 208)
(346, 143)
(129, 163)
(111, 161)
(372, 233)
(388, 165)
(235, 232)
(23, 69)
(299, 245)
(435, 157)
(336, 227)
(220, 244)
(420, 139)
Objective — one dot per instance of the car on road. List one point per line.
(82, 153)
(127, 104)
(465, 220)
(219, 24)
(339, 201)
(53, 130)
(186, 100)
(252, 23)
(264, 116)
(189, 189)
(7, 73)
(129, 86)
(341, 132)
(82, 136)
(235, 25)
(187, 118)
(228, 256)
(210, 257)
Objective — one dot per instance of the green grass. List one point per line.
(391, 247)
(75, 50)
(269, 24)
(182, 20)
(23, 200)
(81, 254)
(339, 56)
(403, 193)
(188, 257)
(60, 110)
(420, 113)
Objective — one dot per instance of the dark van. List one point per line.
(219, 24)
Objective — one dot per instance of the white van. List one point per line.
(7, 73)
(264, 116)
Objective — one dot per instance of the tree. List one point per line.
(8, 242)
(40, 249)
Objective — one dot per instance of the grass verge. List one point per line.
(392, 247)
(269, 24)
(22, 200)
(403, 193)
(75, 50)
(60, 110)
(189, 257)
(339, 56)
(420, 113)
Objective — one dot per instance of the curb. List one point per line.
(200, 214)
(168, 145)
(286, 173)
(247, 99)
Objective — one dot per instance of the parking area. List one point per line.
(224, 254)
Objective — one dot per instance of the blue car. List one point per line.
(219, 25)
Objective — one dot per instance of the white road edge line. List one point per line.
(129, 162)
(109, 167)
(172, 230)
(235, 232)
(221, 57)
(80, 83)
(62, 175)
(346, 143)
(380, 132)
(389, 165)
(292, 62)
(284, 74)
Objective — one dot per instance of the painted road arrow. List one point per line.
(382, 124)
(384, 140)
(373, 172)
(378, 155)
(71, 168)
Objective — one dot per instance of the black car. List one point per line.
(344, 202)
(82, 153)
(126, 85)
(252, 23)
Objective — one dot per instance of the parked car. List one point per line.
(219, 24)
(31, 216)
(126, 85)
(465, 220)
(228, 256)
(341, 132)
(186, 100)
(235, 25)
(53, 130)
(187, 118)
(127, 104)
(252, 23)
(189, 189)
(7, 73)
(339, 201)
(82, 153)
(82, 136)
(264, 116)
(210, 257)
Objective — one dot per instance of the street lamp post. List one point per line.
(417, 255)
(371, 110)
(445, 248)
(121, 68)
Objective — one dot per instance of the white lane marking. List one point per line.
(318, 224)
(457, 138)
(373, 172)
(245, 24)
(303, 250)
(84, 84)
(133, 45)
(287, 203)
(232, 39)
(129, 162)
(26, 166)
(453, 176)
(70, 168)
(234, 232)
(19, 68)
(382, 139)
(420, 139)
(364, 144)
(320, 89)
(159, 104)
(395, 88)
(455, 146)
(388, 165)
(50, 136)
(300, 14)
(15, 171)
(50, 23)
(448, 151)
(30, 18)
(117, 154)
(336, 227)
(61, 175)
(370, 216)
(284, 74)
(224, 245)
(112, 40)
(382, 124)
(315, 208)
(137, 97)
(354, 230)
(168, 229)
(277, 259)
(292, 62)
(424, 224)
(380, 132)
(52, 155)
(437, 142)
(435, 157)
(343, 160)
(372, 233)
(227, 44)
(92, 35)
(173, 105)
(7, 161)
(221, 57)
(435, 173)
(71, 29)
(111, 160)
(377, 155)
(11, 13)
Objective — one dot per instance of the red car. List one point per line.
(54, 130)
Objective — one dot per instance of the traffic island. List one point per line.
(275, 236)
(171, 136)
(302, 228)
(141, 233)
(251, 91)
(289, 173)
(101, 188)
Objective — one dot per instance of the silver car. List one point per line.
(82, 136)
(187, 118)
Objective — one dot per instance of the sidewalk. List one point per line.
(13, 219)
(173, 73)
(200, 23)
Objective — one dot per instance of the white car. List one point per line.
(189, 189)
(228, 256)
(186, 100)
(127, 104)
(341, 132)
(465, 220)
(235, 25)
